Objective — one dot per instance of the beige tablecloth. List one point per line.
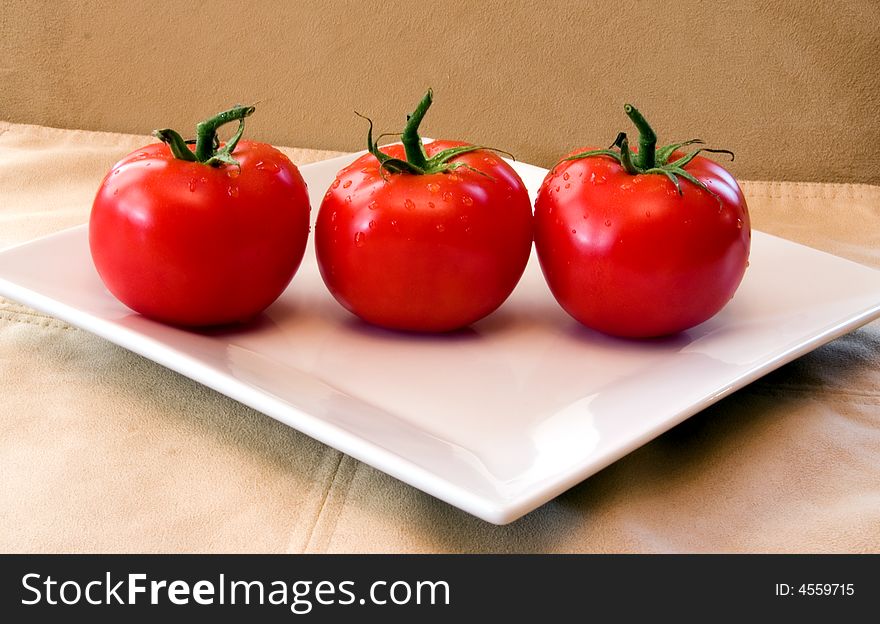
(103, 450)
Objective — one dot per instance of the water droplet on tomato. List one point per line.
(116, 191)
(433, 187)
(373, 205)
(463, 218)
(574, 231)
(366, 170)
(568, 185)
(432, 205)
(648, 213)
(359, 239)
(116, 172)
(347, 184)
(234, 172)
(192, 185)
(454, 177)
(348, 199)
(271, 167)
(566, 176)
(372, 225)
(467, 200)
(148, 164)
(607, 222)
(739, 224)
(467, 230)
(333, 217)
(394, 225)
(232, 191)
(447, 196)
(441, 228)
(335, 183)
(556, 189)
(408, 204)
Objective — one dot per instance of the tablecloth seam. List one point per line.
(816, 391)
(340, 487)
(829, 186)
(47, 323)
(13, 309)
(324, 499)
(794, 196)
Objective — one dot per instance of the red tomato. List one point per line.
(626, 253)
(426, 252)
(193, 244)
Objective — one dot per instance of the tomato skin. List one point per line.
(628, 256)
(193, 245)
(427, 253)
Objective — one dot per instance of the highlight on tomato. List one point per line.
(198, 233)
(642, 242)
(424, 237)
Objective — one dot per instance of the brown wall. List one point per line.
(792, 87)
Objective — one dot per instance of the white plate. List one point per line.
(497, 420)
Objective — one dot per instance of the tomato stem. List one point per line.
(175, 143)
(626, 157)
(417, 161)
(651, 160)
(412, 142)
(645, 158)
(207, 149)
(206, 131)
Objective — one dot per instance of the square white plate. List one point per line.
(496, 420)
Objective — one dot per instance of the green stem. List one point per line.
(206, 131)
(412, 142)
(417, 161)
(175, 143)
(649, 159)
(645, 159)
(626, 158)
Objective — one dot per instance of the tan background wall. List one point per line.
(792, 87)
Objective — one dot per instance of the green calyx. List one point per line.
(417, 161)
(649, 158)
(207, 144)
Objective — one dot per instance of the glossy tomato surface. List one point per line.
(629, 256)
(190, 244)
(428, 253)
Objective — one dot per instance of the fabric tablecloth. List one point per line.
(102, 450)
